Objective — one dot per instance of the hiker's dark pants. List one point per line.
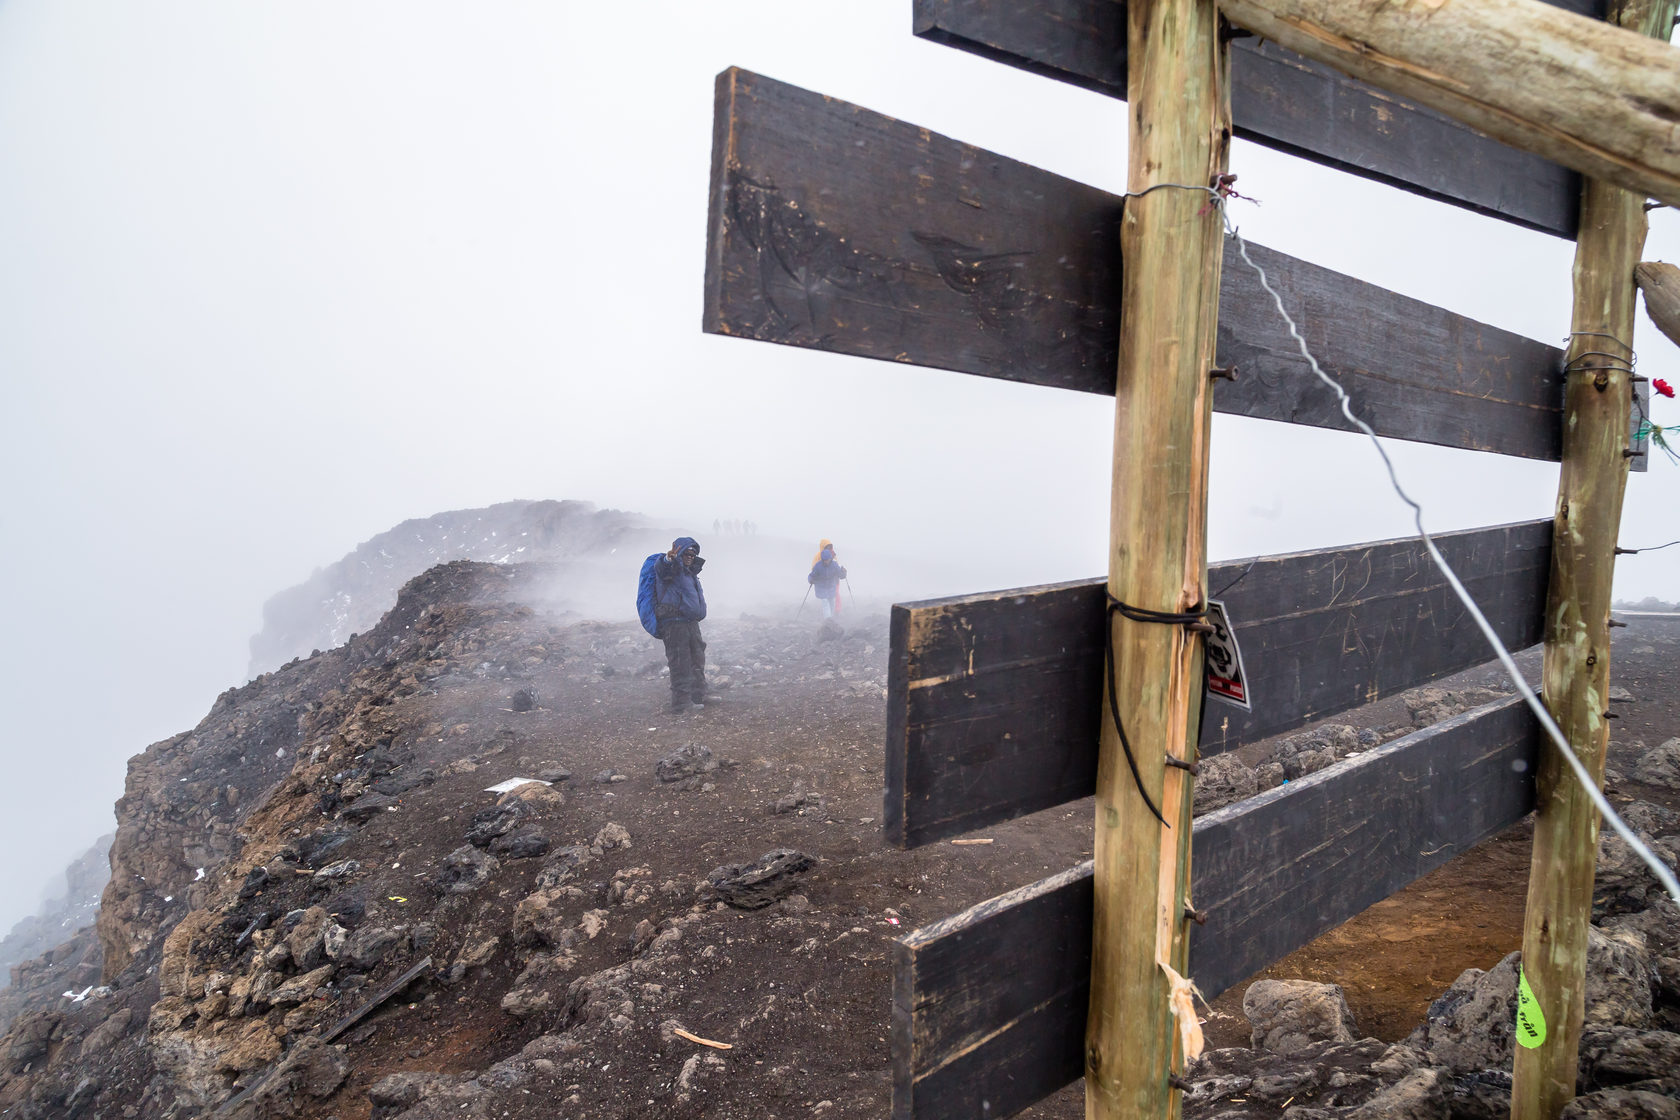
(685, 653)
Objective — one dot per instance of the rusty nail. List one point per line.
(1611, 715)
(1629, 453)
(1197, 916)
(1617, 625)
(1620, 551)
(1178, 1083)
(1195, 768)
(1223, 373)
(1199, 627)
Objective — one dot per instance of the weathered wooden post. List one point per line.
(1594, 97)
(1576, 674)
(1171, 242)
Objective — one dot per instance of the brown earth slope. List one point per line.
(561, 935)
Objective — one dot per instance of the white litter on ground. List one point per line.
(514, 783)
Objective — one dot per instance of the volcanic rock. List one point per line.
(1290, 1015)
(753, 886)
(465, 869)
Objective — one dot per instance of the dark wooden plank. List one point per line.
(994, 701)
(838, 229)
(1284, 101)
(232, 1103)
(989, 1006)
(946, 994)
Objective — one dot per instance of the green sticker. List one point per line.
(1531, 1021)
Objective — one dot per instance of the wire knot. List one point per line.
(1192, 620)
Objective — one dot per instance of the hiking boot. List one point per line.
(697, 706)
(707, 701)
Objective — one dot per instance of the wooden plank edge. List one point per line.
(907, 1079)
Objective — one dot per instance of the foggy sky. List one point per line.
(276, 277)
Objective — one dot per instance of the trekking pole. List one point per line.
(850, 592)
(801, 609)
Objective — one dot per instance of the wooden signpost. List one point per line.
(835, 228)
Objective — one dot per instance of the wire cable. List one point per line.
(1658, 868)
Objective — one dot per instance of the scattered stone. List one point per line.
(609, 776)
(830, 631)
(799, 804)
(300, 988)
(1660, 766)
(252, 1045)
(553, 772)
(402, 1091)
(562, 865)
(306, 940)
(1619, 1055)
(1290, 1015)
(1618, 979)
(368, 946)
(612, 835)
(532, 795)
(312, 1069)
(334, 873)
(255, 880)
(465, 869)
(1430, 706)
(498, 820)
(753, 886)
(368, 806)
(526, 843)
(684, 766)
(106, 1034)
(1622, 1104)
(1469, 1027)
(1617, 692)
(523, 700)
(333, 938)
(539, 921)
(1224, 779)
(402, 783)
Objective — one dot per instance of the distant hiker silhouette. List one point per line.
(826, 574)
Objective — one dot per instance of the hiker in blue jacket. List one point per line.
(826, 574)
(680, 605)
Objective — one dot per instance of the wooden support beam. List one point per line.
(1576, 673)
(994, 701)
(1579, 92)
(839, 229)
(1172, 241)
(1283, 101)
(987, 1004)
(1661, 284)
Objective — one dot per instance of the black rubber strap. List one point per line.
(1138, 614)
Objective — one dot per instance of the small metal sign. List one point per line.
(1226, 678)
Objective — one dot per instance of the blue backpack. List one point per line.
(647, 594)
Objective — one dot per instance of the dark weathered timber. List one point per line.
(839, 229)
(989, 1005)
(994, 701)
(228, 1107)
(1283, 101)
(1042, 933)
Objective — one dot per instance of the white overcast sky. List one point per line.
(274, 277)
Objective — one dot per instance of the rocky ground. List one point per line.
(319, 908)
